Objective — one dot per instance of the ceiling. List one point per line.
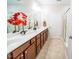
(53, 5)
(54, 2)
(43, 2)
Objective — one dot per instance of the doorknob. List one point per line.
(70, 37)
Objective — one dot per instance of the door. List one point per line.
(68, 33)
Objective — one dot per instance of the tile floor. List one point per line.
(53, 49)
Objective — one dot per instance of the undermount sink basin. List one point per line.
(9, 42)
(11, 35)
(14, 38)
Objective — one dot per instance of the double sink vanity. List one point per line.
(26, 46)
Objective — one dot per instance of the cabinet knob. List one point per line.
(22, 55)
(25, 51)
(70, 37)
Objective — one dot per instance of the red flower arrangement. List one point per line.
(17, 19)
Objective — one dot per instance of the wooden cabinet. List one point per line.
(21, 56)
(30, 49)
(42, 40)
(25, 54)
(38, 45)
(33, 40)
(44, 37)
(30, 53)
(38, 39)
(46, 34)
(38, 49)
(20, 49)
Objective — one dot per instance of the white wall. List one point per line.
(55, 24)
(54, 20)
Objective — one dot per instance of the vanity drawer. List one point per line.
(38, 36)
(42, 34)
(33, 40)
(20, 49)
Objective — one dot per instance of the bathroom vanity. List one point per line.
(27, 46)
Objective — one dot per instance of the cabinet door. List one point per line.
(20, 49)
(31, 52)
(44, 37)
(47, 34)
(42, 41)
(38, 39)
(38, 49)
(21, 56)
(26, 54)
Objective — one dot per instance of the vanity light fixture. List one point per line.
(59, 0)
